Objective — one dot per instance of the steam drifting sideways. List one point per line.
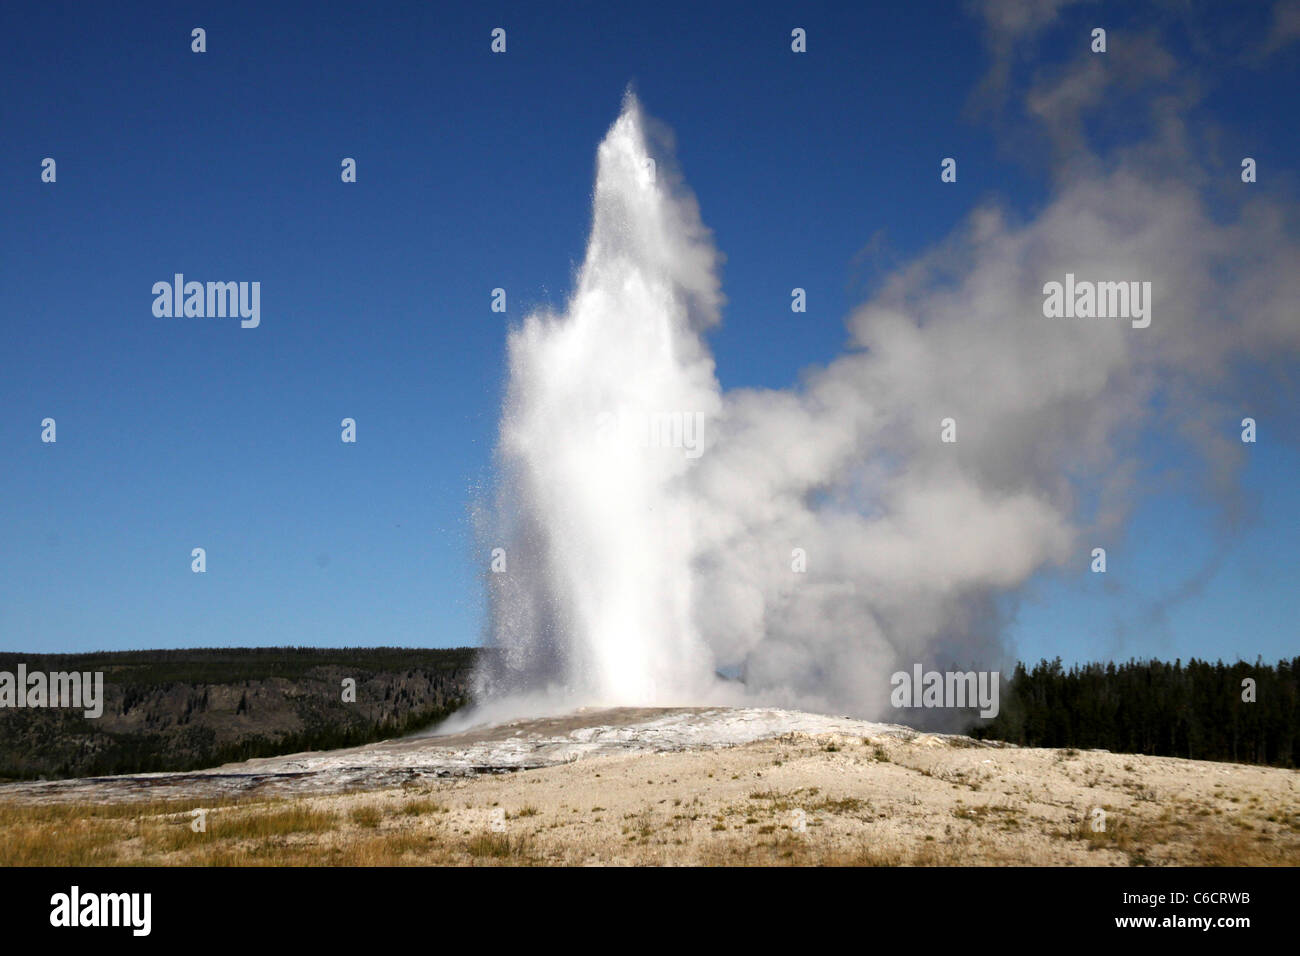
(653, 531)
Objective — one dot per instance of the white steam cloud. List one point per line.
(635, 571)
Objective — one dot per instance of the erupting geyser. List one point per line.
(606, 407)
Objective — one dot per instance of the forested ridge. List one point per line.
(191, 708)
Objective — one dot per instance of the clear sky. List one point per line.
(474, 172)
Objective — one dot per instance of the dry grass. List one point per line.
(1145, 841)
(367, 816)
(800, 850)
(501, 847)
(71, 834)
(423, 807)
(267, 833)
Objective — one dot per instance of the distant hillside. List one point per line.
(185, 709)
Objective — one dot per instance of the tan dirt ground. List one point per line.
(865, 800)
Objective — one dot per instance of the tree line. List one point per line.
(1245, 713)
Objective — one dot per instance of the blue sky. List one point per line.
(474, 172)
